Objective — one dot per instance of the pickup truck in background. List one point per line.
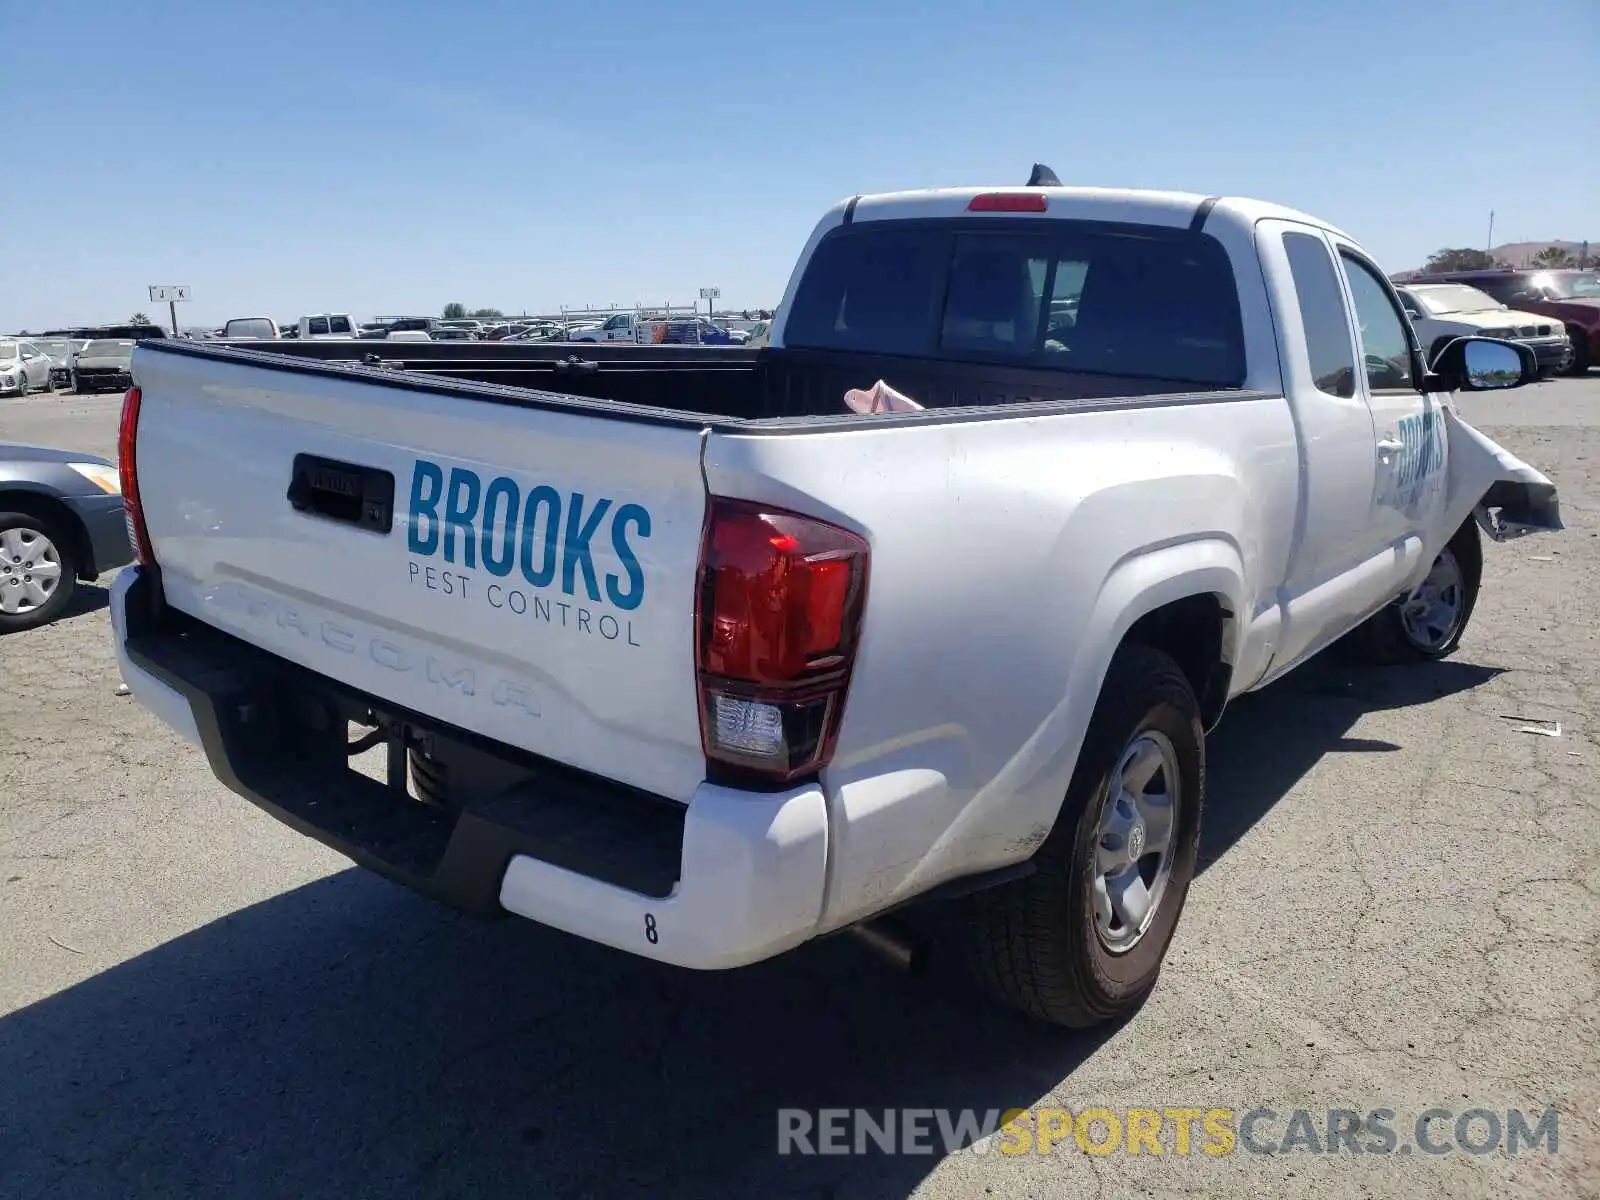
(668, 649)
(321, 326)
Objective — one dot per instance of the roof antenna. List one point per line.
(1043, 176)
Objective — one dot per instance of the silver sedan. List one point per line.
(23, 367)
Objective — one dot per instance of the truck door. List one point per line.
(1332, 578)
(1410, 451)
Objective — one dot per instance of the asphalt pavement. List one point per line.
(1399, 908)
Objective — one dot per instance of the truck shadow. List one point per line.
(347, 1038)
(1269, 739)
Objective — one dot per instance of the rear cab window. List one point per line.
(1123, 300)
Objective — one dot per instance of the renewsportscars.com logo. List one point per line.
(1172, 1131)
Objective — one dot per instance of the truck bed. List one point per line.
(713, 381)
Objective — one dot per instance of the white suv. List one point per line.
(1443, 312)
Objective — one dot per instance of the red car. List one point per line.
(1571, 297)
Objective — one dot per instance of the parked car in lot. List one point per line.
(454, 333)
(1569, 296)
(260, 329)
(337, 326)
(61, 520)
(674, 651)
(1443, 311)
(24, 367)
(59, 351)
(103, 366)
(680, 331)
(616, 328)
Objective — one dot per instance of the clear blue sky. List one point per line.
(283, 157)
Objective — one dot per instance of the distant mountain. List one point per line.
(1523, 254)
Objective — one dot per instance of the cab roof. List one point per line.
(1177, 209)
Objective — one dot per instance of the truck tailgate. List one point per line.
(532, 579)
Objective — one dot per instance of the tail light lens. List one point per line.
(778, 614)
(127, 468)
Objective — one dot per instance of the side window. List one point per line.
(1333, 360)
(339, 325)
(319, 325)
(1503, 290)
(1385, 337)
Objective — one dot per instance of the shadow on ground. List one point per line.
(347, 1038)
(86, 598)
(1269, 739)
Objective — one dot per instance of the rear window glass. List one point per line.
(875, 291)
(1112, 300)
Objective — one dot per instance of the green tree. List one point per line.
(486, 314)
(454, 311)
(1554, 256)
(140, 318)
(1459, 260)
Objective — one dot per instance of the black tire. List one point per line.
(64, 543)
(1384, 640)
(430, 780)
(1033, 943)
(1580, 352)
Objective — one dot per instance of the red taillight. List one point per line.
(127, 442)
(778, 611)
(1009, 202)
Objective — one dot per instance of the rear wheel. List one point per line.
(1081, 940)
(37, 571)
(1580, 352)
(1428, 623)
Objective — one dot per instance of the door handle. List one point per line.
(1388, 446)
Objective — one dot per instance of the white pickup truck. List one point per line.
(688, 659)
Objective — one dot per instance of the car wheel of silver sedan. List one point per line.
(38, 573)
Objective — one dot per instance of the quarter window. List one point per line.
(1322, 314)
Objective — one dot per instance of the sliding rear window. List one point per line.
(1128, 300)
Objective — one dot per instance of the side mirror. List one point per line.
(1480, 364)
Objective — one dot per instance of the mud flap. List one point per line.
(1485, 480)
